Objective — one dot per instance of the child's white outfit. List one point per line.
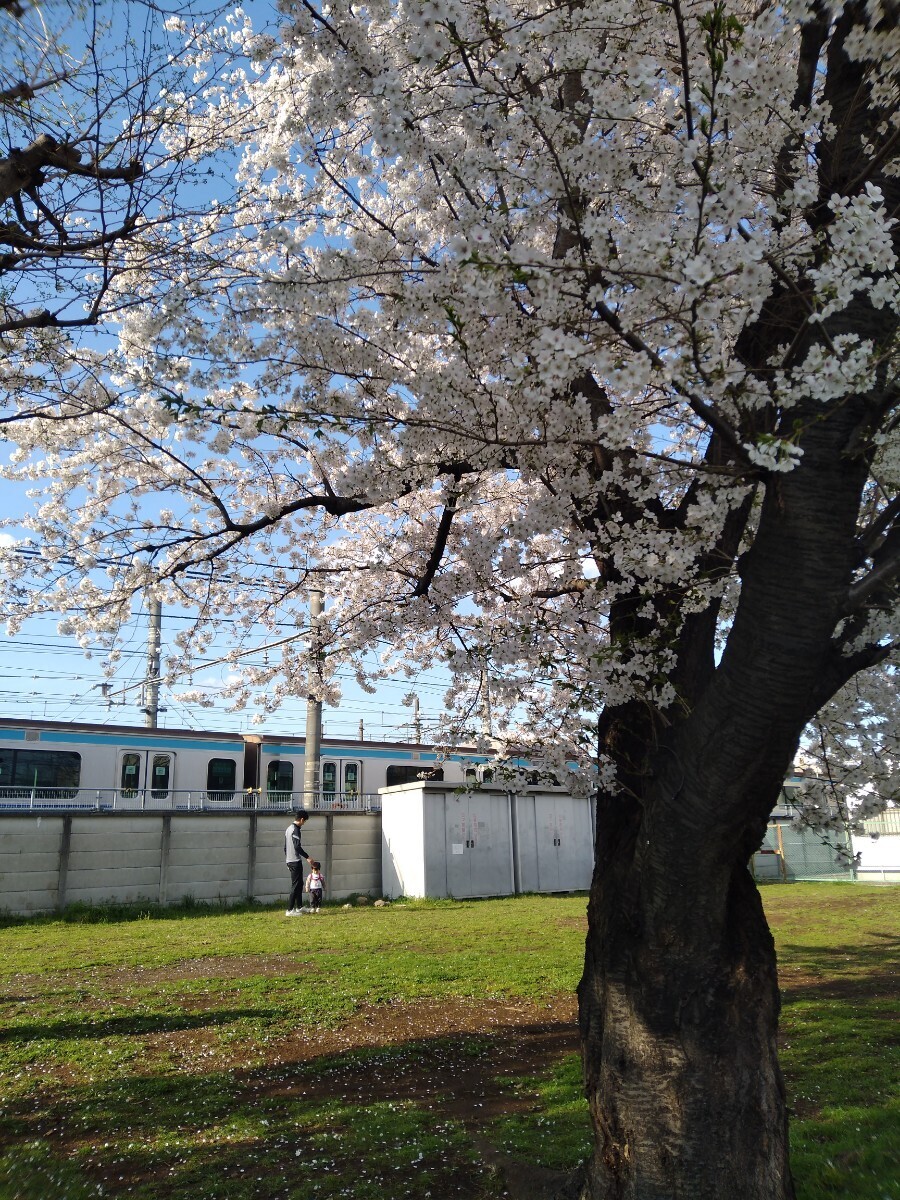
(315, 882)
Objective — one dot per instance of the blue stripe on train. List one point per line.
(158, 741)
(155, 742)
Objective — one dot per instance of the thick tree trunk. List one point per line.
(679, 1000)
(679, 1008)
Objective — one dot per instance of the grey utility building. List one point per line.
(487, 842)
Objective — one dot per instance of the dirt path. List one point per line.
(521, 1039)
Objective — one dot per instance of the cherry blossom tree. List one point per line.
(557, 343)
(87, 183)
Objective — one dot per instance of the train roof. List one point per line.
(272, 739)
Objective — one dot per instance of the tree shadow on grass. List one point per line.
(847, 972)
(135, 1024)
(411, 1119)
(404, 1119)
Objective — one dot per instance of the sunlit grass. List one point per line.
(556, 1131)
(140, 1056)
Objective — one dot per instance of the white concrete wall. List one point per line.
(113, 860)
(879, 857)
(403, 841)
(355, 861)
(106, 858)
(208, 859)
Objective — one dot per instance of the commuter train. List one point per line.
(47, 764)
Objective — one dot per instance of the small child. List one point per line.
(315, 882)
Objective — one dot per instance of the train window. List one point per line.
(131, 774)
(482, 773)
(340, 778)
(161, 779)
(412, 774)
(280, 776)
(40, 769)
(351, 778)
(220, 779)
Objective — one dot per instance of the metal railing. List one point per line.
(20, 799)
(886, 822)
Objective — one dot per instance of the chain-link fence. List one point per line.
(789, 854)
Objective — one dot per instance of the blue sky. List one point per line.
(46, 675)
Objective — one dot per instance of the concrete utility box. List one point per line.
(438, 842)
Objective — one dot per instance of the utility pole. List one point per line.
(151, 684)
(411, 699)
(312, 751)
(486, 714)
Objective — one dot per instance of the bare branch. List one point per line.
(23, 169)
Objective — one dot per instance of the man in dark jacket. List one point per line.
(294, 855)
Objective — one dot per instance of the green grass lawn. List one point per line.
(407, 1051)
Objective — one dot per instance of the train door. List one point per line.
(352, 776)
(550, 835)
(146, 775)
(341, 781)
(329, 779)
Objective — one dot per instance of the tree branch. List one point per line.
(880, 527)
(23, 169)
(440, 545)
(881, 579)
(685, 70)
